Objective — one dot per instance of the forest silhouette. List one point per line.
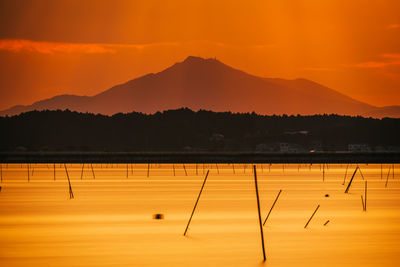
(187, 130)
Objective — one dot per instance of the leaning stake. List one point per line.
(259, 212)
(365, 197)
(305, 226)
(387, 177)
(94, 177)
(345, 174)
(185, 169)
(195, 205)
(83, 165)
(351, 180)
(71, 194)
(276, 199)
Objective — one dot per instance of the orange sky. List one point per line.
(52, 47)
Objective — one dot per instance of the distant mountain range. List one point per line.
(199, 83)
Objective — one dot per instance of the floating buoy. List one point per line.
(158, 216)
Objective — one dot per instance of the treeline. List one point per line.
(184, 129)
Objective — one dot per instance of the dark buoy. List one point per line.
(158, 216)
(326, 195)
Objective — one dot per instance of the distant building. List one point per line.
(359, 148)
(297, 132)
(290, 148)
(266, 147)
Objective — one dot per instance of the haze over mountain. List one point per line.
(199, 83)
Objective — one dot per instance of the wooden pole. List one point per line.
(365, 197)
(259, 212)
(83, 165)
(393, 171)
(91, 166)
(1, 172)
(323, 172)
(148, 169)
(305, 226)
(345, 174)
(28, 173)
(216, 165)
(381, 172)
(387, 177)
(233, 168)
(185, 169)
(71, 194)
(197, 172)
(127, 170)
(195, 205)
(351, 180)
(173, 167)
(54, 171)
(276, 199)
(362, 176)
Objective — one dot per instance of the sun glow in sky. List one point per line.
(84, 47)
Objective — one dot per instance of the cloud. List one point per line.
(20, 45)
(393, 26)
(387, 60)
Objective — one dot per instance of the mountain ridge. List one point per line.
(199, 83)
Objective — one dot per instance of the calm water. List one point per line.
(109, 222)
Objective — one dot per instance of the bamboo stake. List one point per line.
(83, 165)
(276, 199)
(185, 169)
(259, 212)
(345, 174)
(94, 177)
(393, 171)
(195, 205)
(305, 226)
(365, 197)
(351, 180)
(361, 172)
(71, 194)
(387, 177)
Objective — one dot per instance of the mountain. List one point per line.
(199, 83)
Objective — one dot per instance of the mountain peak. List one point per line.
(194, 59)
